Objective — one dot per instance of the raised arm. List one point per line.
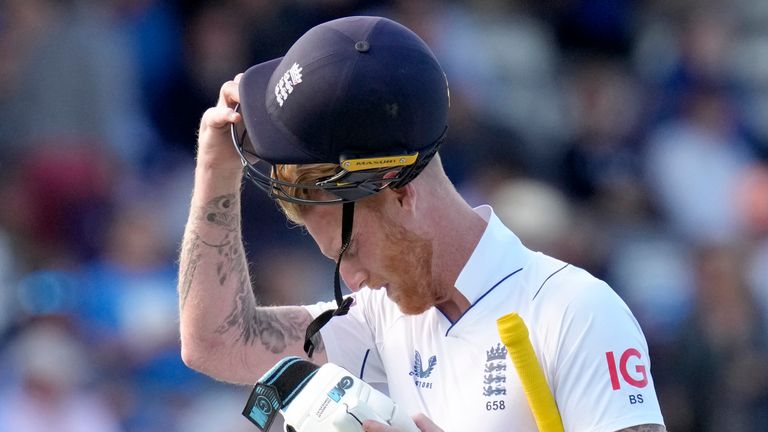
(224, 333)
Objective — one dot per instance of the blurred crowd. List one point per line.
(629, 138)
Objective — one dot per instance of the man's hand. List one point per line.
(422, 422)
(215, 149)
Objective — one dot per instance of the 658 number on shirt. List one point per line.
(495, 405)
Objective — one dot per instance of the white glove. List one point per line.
(328, 399)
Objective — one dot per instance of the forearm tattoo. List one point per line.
(220, 211)
(275, 328)
(189, 261)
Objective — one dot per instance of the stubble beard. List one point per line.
(409, 262)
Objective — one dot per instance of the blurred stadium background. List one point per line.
(628, 137)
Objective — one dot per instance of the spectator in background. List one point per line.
(71, 78)
(129, 317)
(693, 164)
(502, 65)
(546, 221)
(52, 199)
(753, 205)
(722, 357)
(758, 273)
(51, 393)
(9, 273)
(214, 47)
(705, 42)
(601, 166)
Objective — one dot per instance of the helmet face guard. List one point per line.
(356, 178)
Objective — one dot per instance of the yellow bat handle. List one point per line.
(514, 335)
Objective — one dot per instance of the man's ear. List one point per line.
(406, 196)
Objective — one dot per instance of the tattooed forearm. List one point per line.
(645, 428)
(274, 328)
(243, 314)
(222, 212)
(191, 258)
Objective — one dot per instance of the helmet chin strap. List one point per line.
(342, 304)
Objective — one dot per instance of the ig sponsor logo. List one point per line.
(631, 369)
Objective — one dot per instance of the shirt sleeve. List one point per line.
(596, 359)
(349, 339)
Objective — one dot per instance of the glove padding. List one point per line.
(324, 399)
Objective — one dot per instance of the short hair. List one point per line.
(309, 174)
(301, 174)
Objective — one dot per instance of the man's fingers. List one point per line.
(425, 424)
(229, 95)
(422, 422)
(374, 426)
(219, 117)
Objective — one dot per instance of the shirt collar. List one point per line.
(498, 253)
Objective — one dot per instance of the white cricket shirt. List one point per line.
(590, 346)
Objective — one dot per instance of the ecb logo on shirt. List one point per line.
(495, 378)
(419, 373)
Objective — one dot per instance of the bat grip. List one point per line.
(514, 335)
